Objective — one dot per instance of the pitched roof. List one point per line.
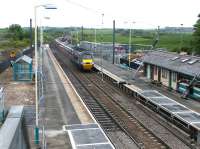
(186, 64)
(24, 58)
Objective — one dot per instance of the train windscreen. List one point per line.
(87, 56)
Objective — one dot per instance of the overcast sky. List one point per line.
(145, 13)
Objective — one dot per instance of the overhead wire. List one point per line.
(109, 15)
(84, 7)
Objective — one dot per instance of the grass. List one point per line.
(11, 44)
(170, 41)
(7, 43)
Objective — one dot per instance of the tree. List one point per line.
(15, 32)
(196, 37)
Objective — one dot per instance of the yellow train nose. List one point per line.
(87, 64)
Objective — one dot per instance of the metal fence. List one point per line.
(105, 50)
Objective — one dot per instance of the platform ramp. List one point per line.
(87, 136)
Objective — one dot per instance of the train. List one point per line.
(81, 57)
(12, 54)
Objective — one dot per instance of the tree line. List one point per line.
(17, 33)
(196, 37)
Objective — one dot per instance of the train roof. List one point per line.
(82, 50)
(79, 49)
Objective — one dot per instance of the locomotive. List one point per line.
(81, 57)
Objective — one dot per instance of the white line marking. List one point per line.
(156, 97)
(92, 144)
(72, 139)
(84, 129)
(85, 124)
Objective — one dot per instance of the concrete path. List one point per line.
(58, 108)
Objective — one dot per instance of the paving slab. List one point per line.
(88, 136)
(190, 117)
(162, 101)
(176, 108)
(151, 94)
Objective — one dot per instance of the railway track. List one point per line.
(111, 116)
(173, 137)
(102, 116)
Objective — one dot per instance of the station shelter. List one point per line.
(22, 69)
(179, 72)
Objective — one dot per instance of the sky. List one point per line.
(88, 13)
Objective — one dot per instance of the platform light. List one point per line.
(36, 130)
(130, 40)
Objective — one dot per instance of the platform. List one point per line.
(64, 107)
(142, 84)
(12, 132)
(184, 112)
(169, 105)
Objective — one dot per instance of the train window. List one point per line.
(87, 56)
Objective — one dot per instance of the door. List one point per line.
(148, 72)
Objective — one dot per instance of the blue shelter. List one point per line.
(22, 69)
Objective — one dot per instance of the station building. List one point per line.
(174, 71)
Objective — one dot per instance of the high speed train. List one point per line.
(81, 57)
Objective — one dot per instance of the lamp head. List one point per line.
(50, 6)
(47, 18)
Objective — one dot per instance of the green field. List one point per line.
(7, 43)
(170, 41)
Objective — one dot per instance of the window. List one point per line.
(155, 70)
(87, 56)
(193, 61)
(174, 76)
(164, 73)
(184, 60)
(174, 58)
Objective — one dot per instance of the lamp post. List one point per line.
(36, 130)
(102, 48)
(71, 37)
(113, 42)
(77, 37)
(181, 37)
(41, 85)
(42, 39)
(42, 31)
(129, 47)
(95, 41)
